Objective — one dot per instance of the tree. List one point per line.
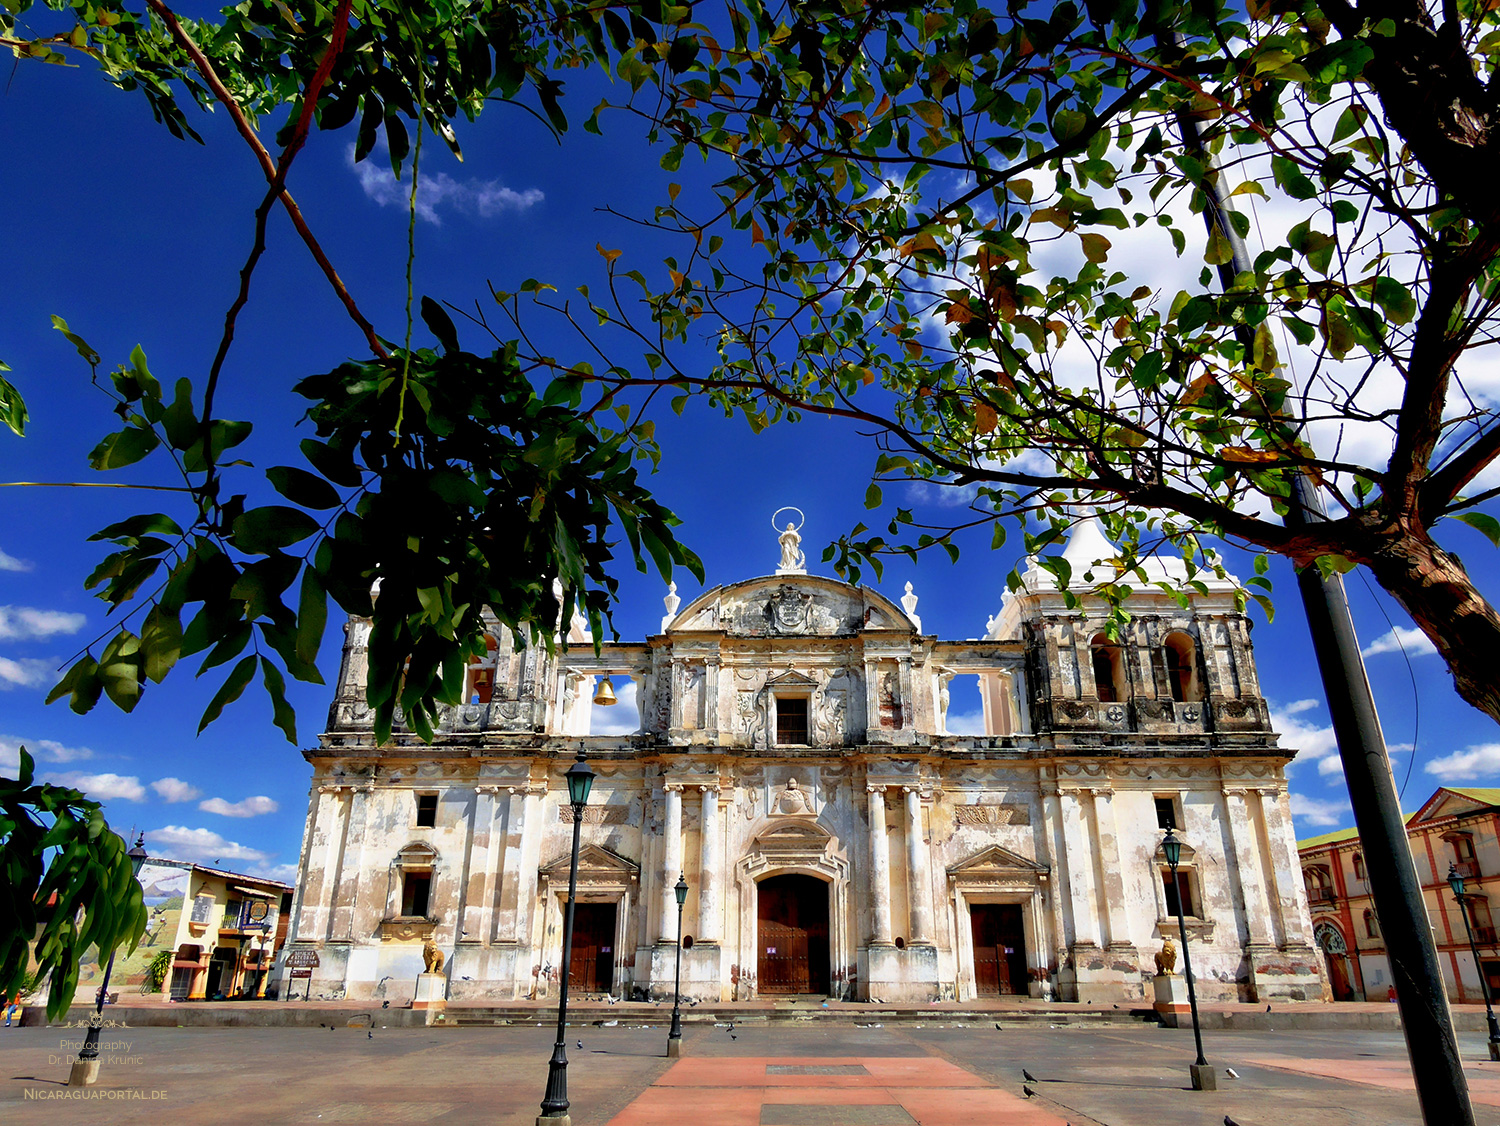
(67, 886)
(450, 479)
(1009, 182)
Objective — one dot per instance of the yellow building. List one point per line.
(223, 929)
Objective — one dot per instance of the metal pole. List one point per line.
(1442, 1089)
(85, 1069)
(1484, 987)
(555, 1101)
(1187, 972)
(676, 1032)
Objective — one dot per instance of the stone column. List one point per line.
(532, 829)
(346, 896)
(918, 885)
(709, 878)
(1080, 860)
(1289, 896)
(711, 697)
(510, 853)
(323, 869)
(478, 924)
(880, 870)
(1247, 861)
(1052, 822)
(1114, 874)
(671, 862)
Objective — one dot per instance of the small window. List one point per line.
(1463, 848)
(1179, 891)
(1109, 670)
(1359, 866)
(232, 911)
(1166, 813)
(426, 810)
(791, 721)
(1182, 671)
(1372, 924)
(416, 890)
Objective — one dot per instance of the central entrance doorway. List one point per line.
(999, 948)
(592, 969)
(793, 934)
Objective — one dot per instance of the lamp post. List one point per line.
(85, 1072)
(555, 1101)
(1456, 882)
(1203, 1074)
(674, 1037)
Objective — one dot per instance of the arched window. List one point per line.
(1372, 924)
(1180, 656)
(1109, 670)
(1359, 866)
(479, 682)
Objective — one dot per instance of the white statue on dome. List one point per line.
(793, 561)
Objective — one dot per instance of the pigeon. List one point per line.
(580, 1045)
(1231, 1072)
(385, 1004)
(1030, 1078)
(732, 1036)
(1027, 1090)
(1268, 1008)
(1230, 1121)
(369, 1035)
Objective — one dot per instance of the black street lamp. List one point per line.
(1456, 882)
(555, 1101)
(1203, 1074)
(674, 1037)
(85, 1070)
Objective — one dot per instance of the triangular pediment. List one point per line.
(592, 858)
(995, 859)
(791, 679)
(1446, 802)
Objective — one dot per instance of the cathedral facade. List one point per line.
(793, 762)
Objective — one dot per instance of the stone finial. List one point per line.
(671, 602)
(909, 604)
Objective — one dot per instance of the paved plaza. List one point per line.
(777, 1075)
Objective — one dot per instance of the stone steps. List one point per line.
(844, 1016)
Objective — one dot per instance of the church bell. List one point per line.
(605, 695)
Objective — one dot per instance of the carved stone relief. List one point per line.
(992, 815)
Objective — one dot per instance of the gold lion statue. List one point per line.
(1166, 958)
(432, 957)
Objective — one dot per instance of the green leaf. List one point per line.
(124, 448)
(1396, 299)
(283, 715)
(263, 530)
(312, 615)
(229, 691)
(872, 496)
(303, 488)
(333, 463)
(12, 406)
(1482, 523)
(441, 325)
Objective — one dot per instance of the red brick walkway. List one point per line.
(824, 1091)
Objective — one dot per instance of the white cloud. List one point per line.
(11, 563)
(1467, 766)
(966, 723)
(286, 873)
(1316, 811)
(100, 787)
(42, 750)
(178, 842)
(482, 198)
(1412, 640)
(175, 789)
(250, 807)
(24, 622)
(623, 718)
(1312, 742)
(25, 672)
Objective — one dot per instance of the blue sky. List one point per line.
(136, 238)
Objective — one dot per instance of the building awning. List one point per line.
(256, 892)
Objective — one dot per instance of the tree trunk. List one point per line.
(1432, 586)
